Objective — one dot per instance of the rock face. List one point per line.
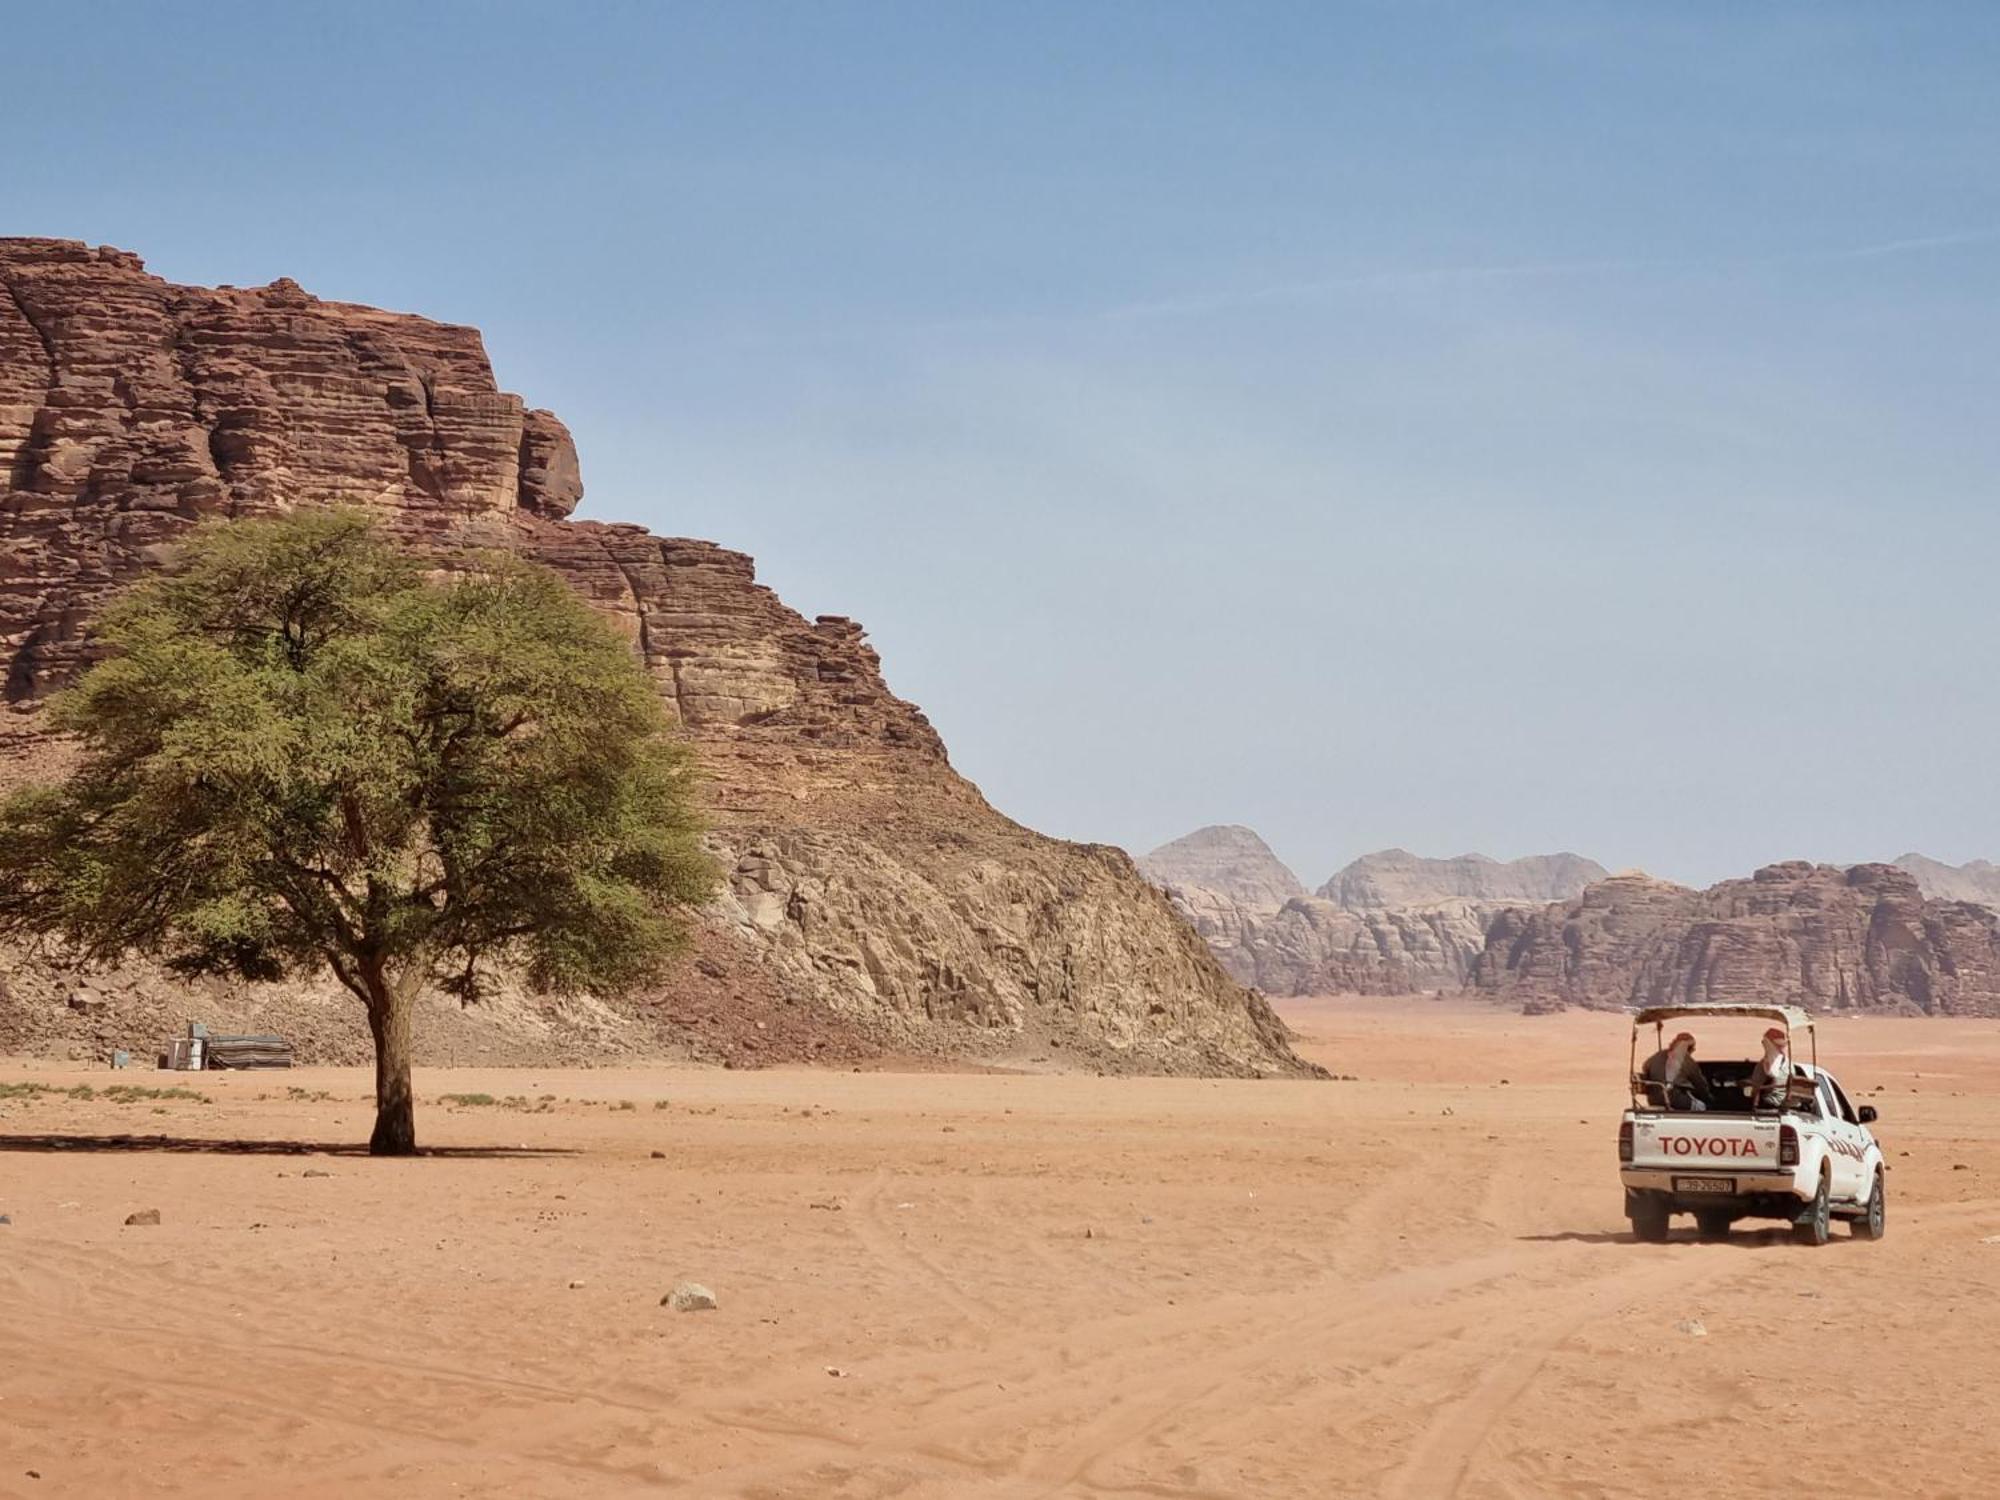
(1802, 934)
(1229, 860)
(1395, 879)
(1976, 880)
(1390, 923)
(1317, 947)
(870, 888)
(1226, 881)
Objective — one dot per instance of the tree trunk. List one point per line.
(389, 1007)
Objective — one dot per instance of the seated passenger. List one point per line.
(1772, 1073)
(1677, 1077)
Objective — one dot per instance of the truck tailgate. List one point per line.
(1733, 1142)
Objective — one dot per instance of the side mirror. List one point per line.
(1867, 1114)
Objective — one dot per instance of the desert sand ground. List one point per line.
(1414, 1285)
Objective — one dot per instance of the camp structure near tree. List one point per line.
(302, 750)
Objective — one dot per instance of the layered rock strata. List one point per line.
(1860, 939)
(1390, 923)
(869, 886)
(1226, 881)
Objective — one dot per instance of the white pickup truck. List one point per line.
(1801, 1153)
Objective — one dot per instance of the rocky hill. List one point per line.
(1389, 923)
(1976, 880)
(1228, 860)
(1226, 881)
(1814, 935)
(1395, 879)
(874, 899)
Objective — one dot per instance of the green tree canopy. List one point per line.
(302, 750)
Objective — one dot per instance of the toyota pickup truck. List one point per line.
(1795, 1149)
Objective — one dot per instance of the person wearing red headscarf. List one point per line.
(1773, 1073)
(1677, 1079)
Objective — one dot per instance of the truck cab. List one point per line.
(1744, 1144)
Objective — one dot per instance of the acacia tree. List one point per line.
(301, 752)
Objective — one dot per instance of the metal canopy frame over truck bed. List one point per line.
(1789, 1016)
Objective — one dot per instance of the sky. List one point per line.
(1449, 426)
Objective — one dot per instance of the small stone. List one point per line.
(836, 1372)
(1991, 1239)
(577, 1284)
(689, 1296)
(1959, 1166)
(314, 1172)
(5, 1219)
(1447, 1110)
(659, 1156)
(143, 1216)
(949, 1130)
(1505, 1082)
(1692, 1327)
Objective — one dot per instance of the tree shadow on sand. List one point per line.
(213, 1147)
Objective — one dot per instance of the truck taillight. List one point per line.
(1625, 1141)
(1788, 1146)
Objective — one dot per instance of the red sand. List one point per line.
(1031, 1286)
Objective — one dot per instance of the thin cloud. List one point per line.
(1202, 305)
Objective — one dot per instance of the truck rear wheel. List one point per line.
(1815, 1225)
(1649, 1218)
(1714, 1223)
(1871, 1224)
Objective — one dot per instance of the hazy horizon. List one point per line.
(1558, 426)
(1315, 870)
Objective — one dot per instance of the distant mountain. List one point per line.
(1389, 923)
(1225, 881)
(1818, 936)
(1976, 880)
(1229, 860)
(1395, 879)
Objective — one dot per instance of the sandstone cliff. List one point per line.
(1390, 923)
(1395, 879)
(1812, 935)
(1226, 881)
(873, 896)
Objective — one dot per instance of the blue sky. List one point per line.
(1498, 427)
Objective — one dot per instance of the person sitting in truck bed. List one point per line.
(1768, 1080)
(1674, 1078)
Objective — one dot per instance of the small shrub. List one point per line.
(466, 1100)
(117, 1093)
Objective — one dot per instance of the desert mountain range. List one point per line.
(1549, 931)
(873, 898)
(1389, 923)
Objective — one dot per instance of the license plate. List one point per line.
(1704, 1184)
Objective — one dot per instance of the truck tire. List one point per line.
(1815, 1225)
(1871, 1224)
(1650, 1218)
(1714, 1223)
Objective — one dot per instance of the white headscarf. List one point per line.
(1777, 1067)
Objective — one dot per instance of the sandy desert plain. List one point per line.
(1417, 1284)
